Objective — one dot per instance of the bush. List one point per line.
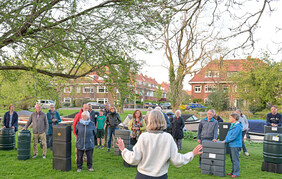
(197, 100)
(66, 104)
(255, 108)
(189, 135)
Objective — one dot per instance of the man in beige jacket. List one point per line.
(40, 128)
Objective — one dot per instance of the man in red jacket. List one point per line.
(78, 117)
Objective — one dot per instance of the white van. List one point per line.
(45, 104)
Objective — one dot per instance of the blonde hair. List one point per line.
(156, 121)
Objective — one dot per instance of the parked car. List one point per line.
(147, 105)
(166, 106)
(96, 105)
(194, 105)
(45, 104)
(154, 105)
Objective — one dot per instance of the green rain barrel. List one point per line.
(24, 138)
(7, 139)
(272, 148)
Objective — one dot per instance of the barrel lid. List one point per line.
(25, 131)
(7, 131)
(276, 137)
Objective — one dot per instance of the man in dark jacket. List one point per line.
(274, 118)
(53, 118)
(40, 128)
(208, 129)
(106, 112)
(216, 117)
(112, 121)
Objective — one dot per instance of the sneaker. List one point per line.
(101, 147)
(78, 170)
(98, 146)
(199, 166)
(91, 170)
(234, 176)
(35, 156)
(44, 157)
(108, 150)
(247, 154)
(229, 174)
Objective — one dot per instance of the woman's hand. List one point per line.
(120, 144)
(223, 141)
(197, 150)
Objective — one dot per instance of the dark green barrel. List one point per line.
(272, 148)
(24, 138)
(7, 139)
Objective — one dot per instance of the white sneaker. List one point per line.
(44, 157)
(78, 170)
(247, 154)
(35, 156)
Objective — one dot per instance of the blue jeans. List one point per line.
(243, 143)
(111, 131)
(234, 156)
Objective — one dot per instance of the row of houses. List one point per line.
(92, 88)
(203, 83)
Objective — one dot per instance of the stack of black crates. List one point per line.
(213, 158)
(62, 147)
(272, 149)
(125, 136)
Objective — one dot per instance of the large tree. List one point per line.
(63, 35)
(196, 31)
(259, 82)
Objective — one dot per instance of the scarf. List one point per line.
(84, 122)
(136, 124)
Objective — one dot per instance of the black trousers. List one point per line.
(142, 176)
(89, 154)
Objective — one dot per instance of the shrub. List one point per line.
(189, 135)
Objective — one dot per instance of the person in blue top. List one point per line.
(208, 130)
(274, 118)
(11, 118)
(234, 141)
(53, 118)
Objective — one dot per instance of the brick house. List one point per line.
(91, 88)
(216, 72)
(146, 88)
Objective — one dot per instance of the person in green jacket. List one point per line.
(136, 125)
(53, 118)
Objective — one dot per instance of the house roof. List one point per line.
(145, 78)
(166, 86)
(226, 66)
(188, 92)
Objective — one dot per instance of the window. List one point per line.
(163, 95)
(209, 88)
(197, 89)
(102, 100)
(152, 94)
(67, 100)
(102, 89)
(225, 88)
(211, 74)
(235, 90)
(231, 73)
(67, 89)
(88, 89)
(78, 89)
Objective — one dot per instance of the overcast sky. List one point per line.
(265, 37)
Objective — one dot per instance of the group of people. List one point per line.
(88, 127)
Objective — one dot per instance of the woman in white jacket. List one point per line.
(155, 149)
(244, 121)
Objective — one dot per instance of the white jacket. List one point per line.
(153, 152)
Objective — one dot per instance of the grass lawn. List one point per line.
(108, 165)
